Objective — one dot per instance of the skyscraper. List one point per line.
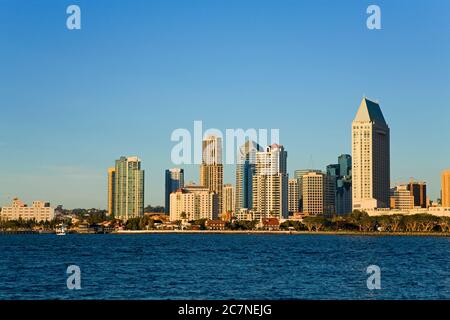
(270, 183)
(293, 195)
(370, 158)
(340, 173)
(318, 193)
(211, 169)
(228, 198)
(445, 188)
(129, 188)
(333, 170)
(345, 165)
(111, 189)
(245, 169)
(174, 181)
(299, 176)
(343, 202)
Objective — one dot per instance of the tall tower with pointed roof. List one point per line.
(371, 157)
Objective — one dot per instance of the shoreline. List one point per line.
(248, 232)
(259, 232)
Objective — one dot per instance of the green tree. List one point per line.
(150, 208)
(199, 222)
(315, 223)
(297, 225)
(132, 224)
(444, 224)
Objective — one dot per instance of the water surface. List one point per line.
(220, 266)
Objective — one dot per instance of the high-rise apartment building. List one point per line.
(270, 183)
(111, 190)
(128, 188)
(293, 195)
(318, 193)
(211, 169)
(174, 181)
(445, 189)
(245, 169)
(193, 203)
(228, 198)
(370, 158)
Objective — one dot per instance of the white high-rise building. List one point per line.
(212, 150)
(193, 203)
(371, 158)
(270, 183)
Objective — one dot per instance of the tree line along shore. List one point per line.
(357, 222)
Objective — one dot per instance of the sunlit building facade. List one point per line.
(370, 158)
(39, 211)
(128, 189)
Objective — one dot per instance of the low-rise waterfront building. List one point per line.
(269, 224)
(215, 224)
(39, 211)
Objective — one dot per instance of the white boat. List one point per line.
(61, 231)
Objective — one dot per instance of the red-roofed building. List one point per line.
(269, 224)
(215, 224)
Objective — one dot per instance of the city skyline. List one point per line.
(239, 65)
(217, 158)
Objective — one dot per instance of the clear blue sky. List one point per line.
(74, 101)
